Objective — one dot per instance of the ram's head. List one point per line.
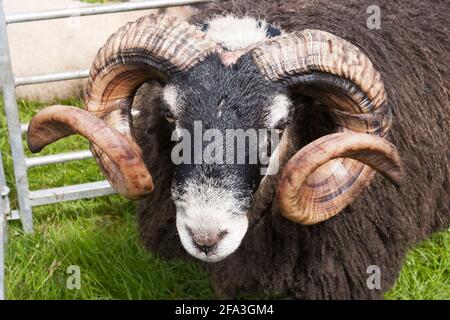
(216, 96)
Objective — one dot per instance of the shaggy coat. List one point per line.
(330, 260)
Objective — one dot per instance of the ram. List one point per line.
(344, 100)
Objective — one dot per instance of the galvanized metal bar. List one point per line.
(58, 158)
(4, 212)
(4, 190)
(13, 121)
(52, 77)
(13, 215)
(2, 251)
(4, 209)
(73, 192)
(100, 9)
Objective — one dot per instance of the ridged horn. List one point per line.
(56, 122)
(319, 64)
(371, 150)
(151, 48)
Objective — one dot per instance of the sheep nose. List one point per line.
(207, 242)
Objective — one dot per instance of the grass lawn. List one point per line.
(99, 236)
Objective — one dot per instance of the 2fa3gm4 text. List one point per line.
(237, 309)
(225, 309)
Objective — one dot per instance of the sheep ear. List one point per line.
(321, 65)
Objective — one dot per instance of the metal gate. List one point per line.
(27, 198)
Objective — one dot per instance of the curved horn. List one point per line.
(150, 48)
(329, 173)
(371, 150)
(56, 122)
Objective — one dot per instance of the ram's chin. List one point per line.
(236, 227)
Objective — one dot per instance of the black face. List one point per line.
(223, 114)
(224, 98)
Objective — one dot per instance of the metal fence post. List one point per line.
(4, 197)
(14, 130)
(2, 251)
(4, 210)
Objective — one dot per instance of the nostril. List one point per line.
(205, 249)
(205, 241)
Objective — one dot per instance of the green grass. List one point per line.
(100, 236)
(426, 273)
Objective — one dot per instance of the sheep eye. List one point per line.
(279, 129)
(281, 125)
(169, 116)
